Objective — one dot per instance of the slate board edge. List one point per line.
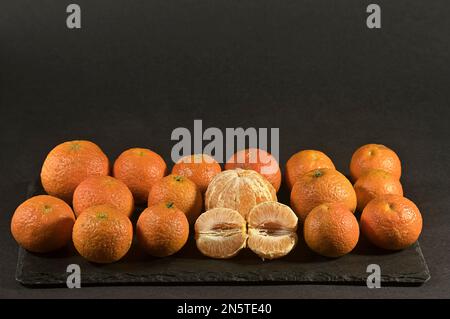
(427, 273)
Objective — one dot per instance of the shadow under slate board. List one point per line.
(301, 266)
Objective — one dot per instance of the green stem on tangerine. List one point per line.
(169, 205)
(75, 146)
(47, 209)
(317, 173)
(102, 215)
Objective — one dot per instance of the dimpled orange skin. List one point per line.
(375, 183)
(183, 192)
(331, 230)
(68, 164)
(391, 222)
(42, 224)
(321, 186)
(374, 156)
(102, 234)
(304, 161)
(162, 229)
(99, 190)
(139, 169)
(199, 168)
(258, 160)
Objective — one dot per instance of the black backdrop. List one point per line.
(138, 69)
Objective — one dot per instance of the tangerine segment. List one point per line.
(220, 233)
(272, 230)
(271, 246)
(238, 189)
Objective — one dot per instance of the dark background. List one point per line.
(138, 69)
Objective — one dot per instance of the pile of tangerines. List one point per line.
(228, 210)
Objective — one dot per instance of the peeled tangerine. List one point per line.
(238, 189)
(220, 233)
(272, 230)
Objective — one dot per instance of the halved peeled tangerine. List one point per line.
(220, 233)
(272, 230)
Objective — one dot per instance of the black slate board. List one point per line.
(407, 267)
